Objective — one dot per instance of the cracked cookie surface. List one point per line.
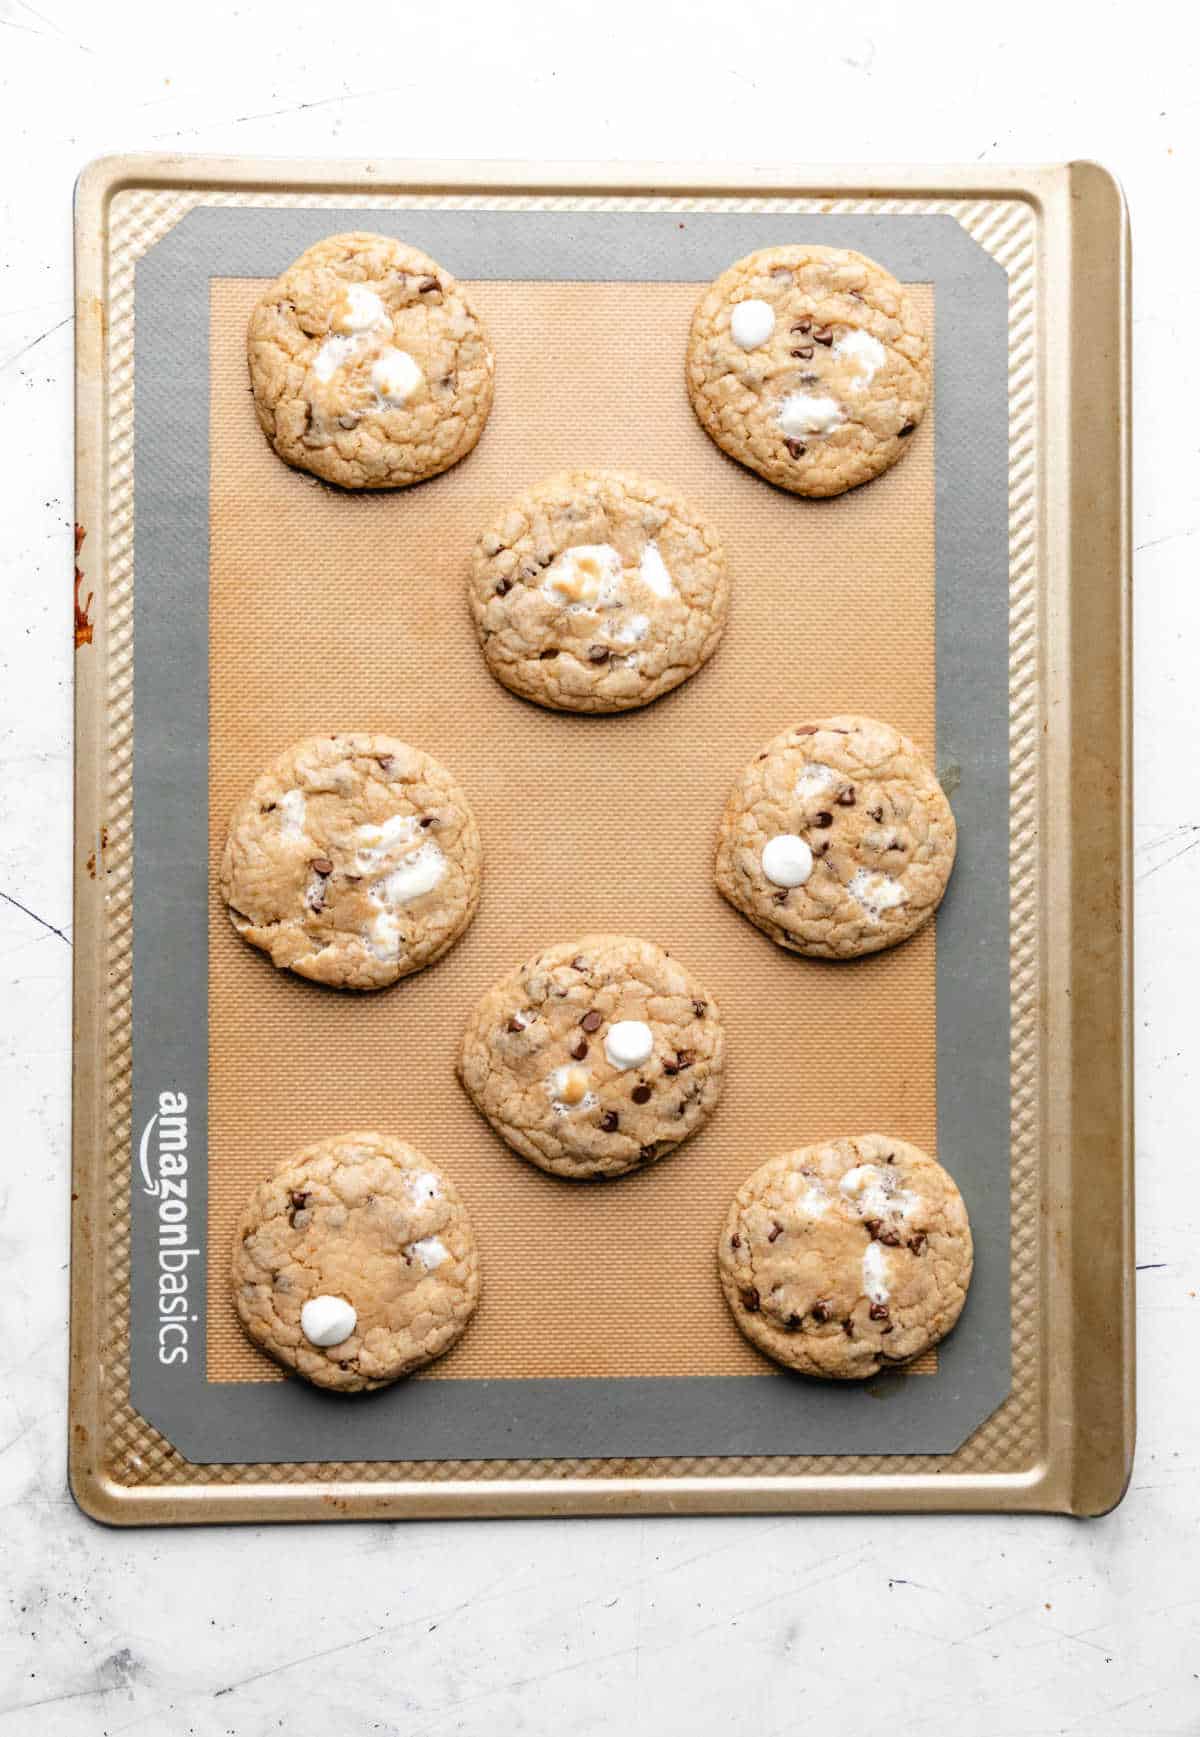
(354, 861)
(595, 1057)
(837, 839)
(367, 1222)
(844, 1258)
(369, 366)
(597, 591)
(810, 365)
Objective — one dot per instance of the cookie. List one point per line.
(841, 1259)
(356, 1263)
(597, 591)
(353, 861)
(810, 365)
(369, 366)
(596, 1057)
(837, 839)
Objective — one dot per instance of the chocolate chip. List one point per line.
(321, 865)
(775, 1231)
(580, 1050)
(802, 326)
(503, 588)
(883, 1334)
(823, 819)
(670, 1068)
(548, 654)
(845, 798)
(270, 807)
(385, 762)
(598, 654)
(888, 1238)
(803, 353)
(781, 898)
(879, 1312)
(909, 428)
(750, 1301)
(649, 1152)
(857, 294)
(297, 1201)
(429, 820)
(875, 813)
(848, 1329)
(794, 1321)
(807, 729)
(735, 1240)
(823, 334)
(579, 963)
(591, 1020)
(872, 1227)
(609, 1121)
(821, 1311)
(427, 286)
(917, 1243)
(641, 1094)
(797, 448)
(516, 1023)
(699, 1008)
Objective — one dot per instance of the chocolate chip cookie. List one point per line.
(369, 366)
(841, 1259)
(354, 861)
(810, 365)
(598, 591)
(596, 1057)
(355, 1263)
(837, 839)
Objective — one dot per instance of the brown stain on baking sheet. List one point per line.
(83, 619)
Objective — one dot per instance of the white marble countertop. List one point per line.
(994, 1626)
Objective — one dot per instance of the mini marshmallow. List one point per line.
(787, 860)
(424, 1186)
(804, 413)
(396, 376)
(327, 1321)
(751, 323)
(430, 1251)
(866, 352)
(653, 572)
(629, 1043)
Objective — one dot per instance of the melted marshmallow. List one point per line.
(805, 413)
(865, 352)
(874, 1273)
(430, 1251)
(653, 572)
(875, 892)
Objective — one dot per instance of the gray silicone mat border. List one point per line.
(771, 1414)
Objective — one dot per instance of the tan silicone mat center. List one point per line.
(337, 611)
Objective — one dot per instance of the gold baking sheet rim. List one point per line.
(1063, 1439)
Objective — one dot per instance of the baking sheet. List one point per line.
(622, 1413)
